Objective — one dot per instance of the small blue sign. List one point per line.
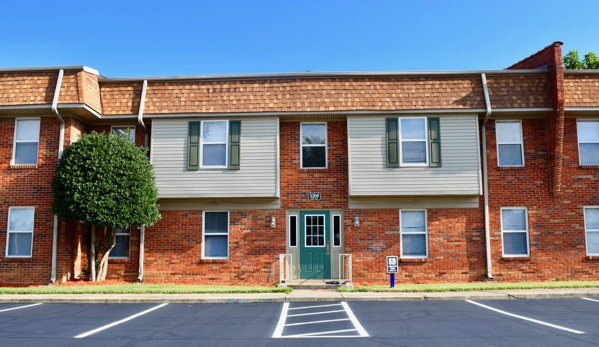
(392, 264)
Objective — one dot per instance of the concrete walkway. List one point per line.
(298, 296)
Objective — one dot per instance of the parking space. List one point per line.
(417, 323)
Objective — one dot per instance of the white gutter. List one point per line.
(486, 179)
(140, 120)
(60, 149)
(50, 68)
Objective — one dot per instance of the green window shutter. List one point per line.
(434, 141)
(193, 146)
(392, 142)
(234, 144)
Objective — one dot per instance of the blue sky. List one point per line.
(168, 38)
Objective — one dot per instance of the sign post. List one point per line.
(392, 269)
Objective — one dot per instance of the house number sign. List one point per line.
(313, 196)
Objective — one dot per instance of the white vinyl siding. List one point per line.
(510, 147)
(19, 238)
(369, 176)
(591, 227)
(26, 141)
(514, 232)
(588, 141)
(257, 177)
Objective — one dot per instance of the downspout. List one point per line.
(485, 178)
(142, 232)
(60, 149)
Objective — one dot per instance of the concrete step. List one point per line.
(332, 284)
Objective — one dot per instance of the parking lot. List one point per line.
(542, 322)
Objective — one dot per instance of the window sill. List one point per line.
(589, 167)
(23, 167)
(314, 170)
(17, 259)
(119, 260)
(208, 260)
(592, 257)
(516, 258)
(413, 260)
(511, 168)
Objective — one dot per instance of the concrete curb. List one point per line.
(295, 296)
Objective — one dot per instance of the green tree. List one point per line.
(572, 62)
(105, 181)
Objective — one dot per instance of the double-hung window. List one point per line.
(413, 141)
(588, 142)
(123, 130)
(591, 227)
(510, 148)
(26, 141)
(214, 144)
(19, 240)
(514, 231)
(414, 238)
(314, 145)
(215, 243)
(123, 238)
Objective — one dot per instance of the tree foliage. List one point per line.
(105, 180)
(572, 62)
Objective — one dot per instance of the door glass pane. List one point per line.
(413, 244)
(28, 130)
(593, 242)
(514, 244)
(19, 244)
(216, 246)
(588, 131)
(215, 155)
(413, 152)
(413, 129)
(513, 219)
(510, 155)
(292, 231)
(25, 153)
(589, 153)
(508, 132)
(336, 231)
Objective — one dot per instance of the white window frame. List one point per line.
(131, 129)
(289, 224)
(401, 141)
(340, 230)
(578, 121)
(226, 143)
(521, 143)
(14, 145)
(325, 145)
(503, 231)
(587, 231)
(227, 234)
(401, 233)
(9, 232)
(128, 233)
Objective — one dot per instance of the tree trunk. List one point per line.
(92, 265)
(109, 243)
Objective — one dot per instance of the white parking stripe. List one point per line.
(282, 318)
(324, 333)
(525, 318)
(317, 322)
(119, 322)
(354, 320)
(590, 299)
(313, 313)
(305, 307)
(18, 308)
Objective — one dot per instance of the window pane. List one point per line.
(314, 134)
(413, 244)
(313, 157)
(508, 132)
(336, 231)
(588, 131)
(25, 153)
(510, 155)
(412, 221)
(413, 152)
(21, 219)
(214, 131)
(121, 249)
(216, 222)
(589, 153)
(514, 244)
(591, 218)
(123, 132)
(513, 219)
(292, 231)
(28, 130)
(216, 246)
(413, 129)
(593, 242)
(19, 244)
(214, 155)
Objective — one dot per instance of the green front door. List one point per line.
(315, 248)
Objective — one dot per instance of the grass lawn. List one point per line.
(458, 287)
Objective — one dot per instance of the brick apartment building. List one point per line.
(465, 175)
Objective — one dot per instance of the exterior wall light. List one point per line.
(273, 222)
(356, 221)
